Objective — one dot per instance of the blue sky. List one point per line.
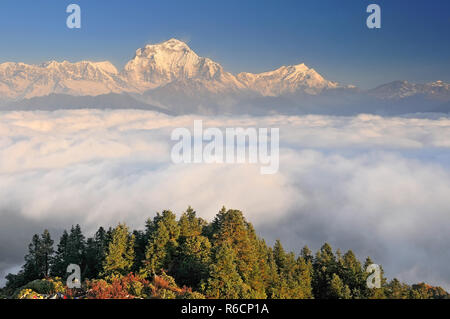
(245, 35)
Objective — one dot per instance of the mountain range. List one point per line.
(170, 77)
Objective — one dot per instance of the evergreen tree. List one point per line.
(33, 268)
(338, 289)
(231, 227)
(352, 274)
(46, 252)
(59, 264)
(224, 281)
(140, 244)
(161, 249)
(306, 254)
(193, 261)
(120, 256)
(223, 259)
(190, 224)
(71, 249)
(324, 267)
(95, 253)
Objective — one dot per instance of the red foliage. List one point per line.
(160, 282)
(119, 288)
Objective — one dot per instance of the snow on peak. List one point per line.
(153, 66)
(286, 79)
(103, 66)
(21, 80)
(158, 64)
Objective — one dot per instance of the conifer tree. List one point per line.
(338, 289)
(120, 256)
(224, 281)
(33, 261)
(324, 267)
(190, 224)
(193, 261)
(59, 264)
(230, 227)
(46, 252)
(96, 249)
(161, 249)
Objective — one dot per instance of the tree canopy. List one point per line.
(221, 259)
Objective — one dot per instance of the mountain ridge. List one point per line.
(172, 77)
(153, 66)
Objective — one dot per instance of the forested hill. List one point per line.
(191, 258)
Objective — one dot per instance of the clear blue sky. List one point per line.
(244, 35)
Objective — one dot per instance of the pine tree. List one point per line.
(33, 261)
(162, 246)
(224, 281)
(230, 227)
(190, 224)
(75, 247)
(324, 267)
(46, 252)
(59, 264)
(337, 289)
(193, 261)
(279, 255)
(120, 256)
(306, 254)
(140, 245)
(352, 274)
(71, 249)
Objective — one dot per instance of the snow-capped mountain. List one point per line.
(287, 79)
(170, 76)
(19, 80)
(153, 66)
(173, 61)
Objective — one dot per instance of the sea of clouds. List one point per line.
(379, 186)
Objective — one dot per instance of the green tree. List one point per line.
(71, 249)
(324, 267)
(33, 268)
(59, 264)
(193, 261)
(120, 256)
(338, 289)
(224, 280)
(190, 224)
(46, 252)
(162, 247)
(96, 249)
(230, 227)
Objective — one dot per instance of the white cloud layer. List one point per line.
(379, 186)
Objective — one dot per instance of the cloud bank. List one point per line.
(377, 185)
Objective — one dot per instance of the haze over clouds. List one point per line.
(379, 186)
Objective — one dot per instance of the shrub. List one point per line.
(45, 286)
(28, 294)
(127, 287)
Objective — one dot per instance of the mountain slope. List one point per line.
(19, 80)
(172, 77)
(153, 66)
(160, 64)
(403, 89)
(62, 101)
(287, 79)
